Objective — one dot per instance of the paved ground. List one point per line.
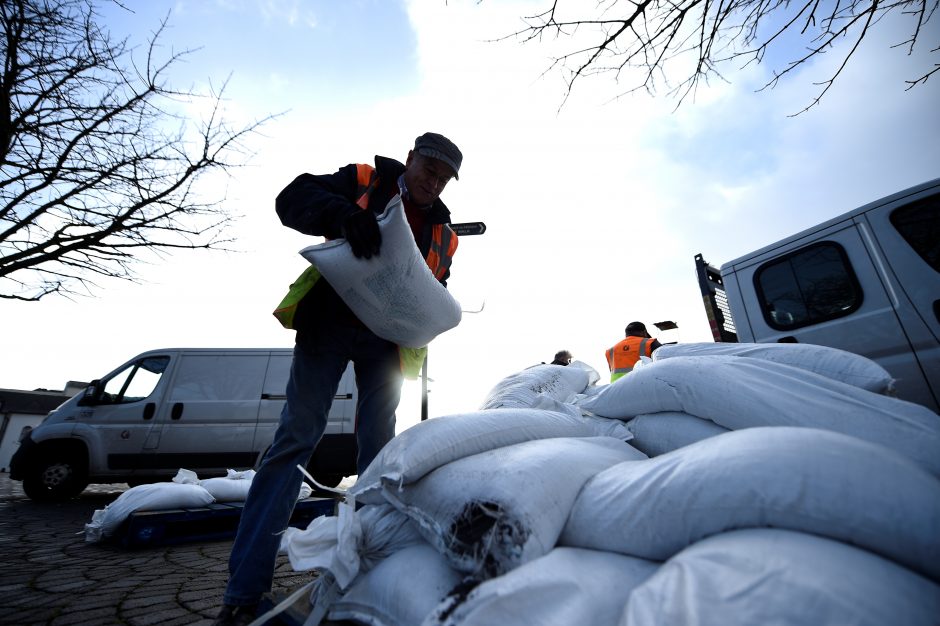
(49, 575)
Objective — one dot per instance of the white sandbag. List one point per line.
(155, 497)
(606, 427)
(394, 293)
(491, 512)
(802, 479)
(429, 444)
(840, 365)
(658, 433)
(400, 591)
(767, 576)
(742, 392)
(567, 586)
(350, 542)
(523, 389)
(230, 488)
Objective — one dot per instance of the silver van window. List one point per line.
(811, 285)
(219, 378)
(135, 382)
(919, 224)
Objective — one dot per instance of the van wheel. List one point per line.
(56, 480)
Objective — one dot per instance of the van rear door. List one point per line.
(908, 236)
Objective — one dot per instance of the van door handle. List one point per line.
(177, 411)
(788, 339)
(149, 409)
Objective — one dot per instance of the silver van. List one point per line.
(867, 281)
(206, 410)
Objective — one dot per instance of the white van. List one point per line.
(867, 281)
(206, 410)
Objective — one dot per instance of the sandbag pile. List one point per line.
(803, 499)
(186, 490)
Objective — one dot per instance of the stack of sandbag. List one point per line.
(553, 388)
(735, 392)
(800, 499)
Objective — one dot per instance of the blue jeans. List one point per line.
(316, 370)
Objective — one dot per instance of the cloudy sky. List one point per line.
(594, 211)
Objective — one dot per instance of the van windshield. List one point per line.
(135, 382)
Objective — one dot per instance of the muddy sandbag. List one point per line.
(658, 433)
(494, 511)
(394, 293)
(436, 442)
(742, 392)
(801, 479)
(350, 542)
(399, 591)
(566, 586)
(770, 576)
(833, 363)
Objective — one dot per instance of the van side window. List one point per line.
(219, 378)
(808, 286)
(135, 382)
(919, 224)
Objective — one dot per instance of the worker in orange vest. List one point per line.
(623, 356)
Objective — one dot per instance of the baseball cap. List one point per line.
(441, 148)
(636, 327)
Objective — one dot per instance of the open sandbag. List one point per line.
(833, 363)
(658, 433)
(350, 542)
(741, 392)
(394, 293)
(400, 591)
(566, 586)
(522, 389)
(493, 511)
(435, 442)
(802, 479)
(768, 576)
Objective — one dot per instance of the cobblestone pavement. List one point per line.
(49, 575)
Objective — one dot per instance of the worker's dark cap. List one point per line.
(441, 148)
(636, 327)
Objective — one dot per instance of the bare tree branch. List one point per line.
(98, 162)
(692, 39)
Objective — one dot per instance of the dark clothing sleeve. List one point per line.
(318, 204)
(656, 345)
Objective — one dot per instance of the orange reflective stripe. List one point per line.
(441, 253)
(366, 180)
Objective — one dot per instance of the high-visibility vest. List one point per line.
(623, 356)
(439, 258)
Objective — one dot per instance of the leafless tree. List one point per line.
(98, 160)
(694, 38)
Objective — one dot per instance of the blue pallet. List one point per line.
(214, 522)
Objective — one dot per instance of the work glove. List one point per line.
(362, 232)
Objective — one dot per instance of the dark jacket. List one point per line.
(317, 205)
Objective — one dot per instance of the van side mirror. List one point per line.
(92, 394)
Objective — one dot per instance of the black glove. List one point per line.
(362, 232)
